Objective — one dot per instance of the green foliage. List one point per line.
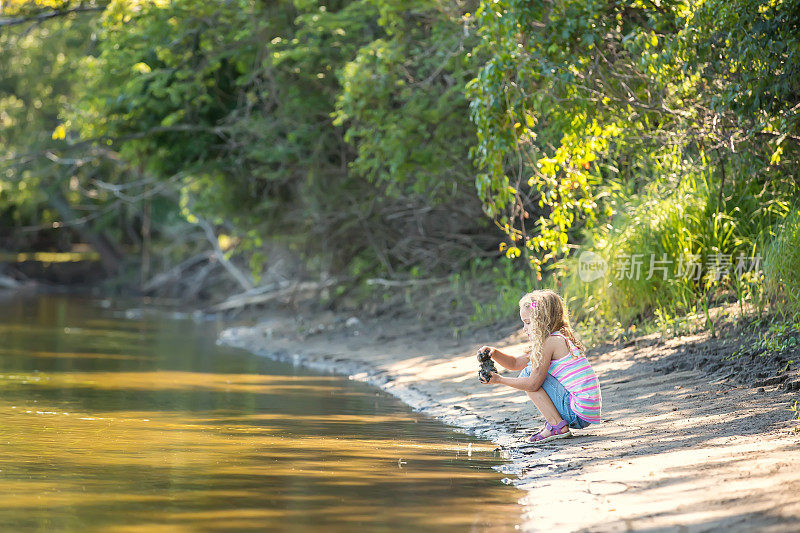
(746, 48)
(329, 126)
(489, 291)
(777, 338)
(351, 132)
(586, 104)
(403, 101)
(549, 133)
(35, 84)
(671, 325)
(161, 85)
(591, 115)
(782, 264)
(707, 246)
(795, 408)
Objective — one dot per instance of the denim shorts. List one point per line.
(560, 397)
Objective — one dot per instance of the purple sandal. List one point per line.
(555, 433)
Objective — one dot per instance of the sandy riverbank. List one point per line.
(676, 451)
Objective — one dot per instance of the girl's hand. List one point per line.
(494, 377)
(482, 348)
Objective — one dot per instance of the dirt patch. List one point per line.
(735, 355)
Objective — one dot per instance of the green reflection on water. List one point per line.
(118, 425)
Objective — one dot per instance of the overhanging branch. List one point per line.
(4, 22)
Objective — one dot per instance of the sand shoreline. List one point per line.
(656, 461)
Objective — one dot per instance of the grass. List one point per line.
(796, 409)
(692, 226)
(779, 337)
(782, 263)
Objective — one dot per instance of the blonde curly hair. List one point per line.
(547, 313)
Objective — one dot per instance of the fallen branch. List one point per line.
(7, 282)
(197, 282)
(49, 15)
(235, 273)
(175, 272)
(405, 283)
(253, 297)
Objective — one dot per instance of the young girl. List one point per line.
(555, 373)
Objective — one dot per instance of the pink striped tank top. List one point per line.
(577, 376)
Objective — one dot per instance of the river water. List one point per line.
(127, 419)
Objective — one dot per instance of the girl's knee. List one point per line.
(540, 392)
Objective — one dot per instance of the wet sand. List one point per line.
(682, 451)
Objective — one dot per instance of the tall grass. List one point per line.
(698, 233)
(692, 229)
(664, 229)
(781, 264)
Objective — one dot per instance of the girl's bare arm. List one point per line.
(534, 381)
(526, 383)
(508, 362)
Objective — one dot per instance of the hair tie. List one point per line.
(533, 304)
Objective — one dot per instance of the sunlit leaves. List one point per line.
(59, 133)
(622, 103)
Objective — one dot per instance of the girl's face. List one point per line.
(526, 322)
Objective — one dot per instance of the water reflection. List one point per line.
(126, 425)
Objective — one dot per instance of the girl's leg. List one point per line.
(545, 406)
(544, 402)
